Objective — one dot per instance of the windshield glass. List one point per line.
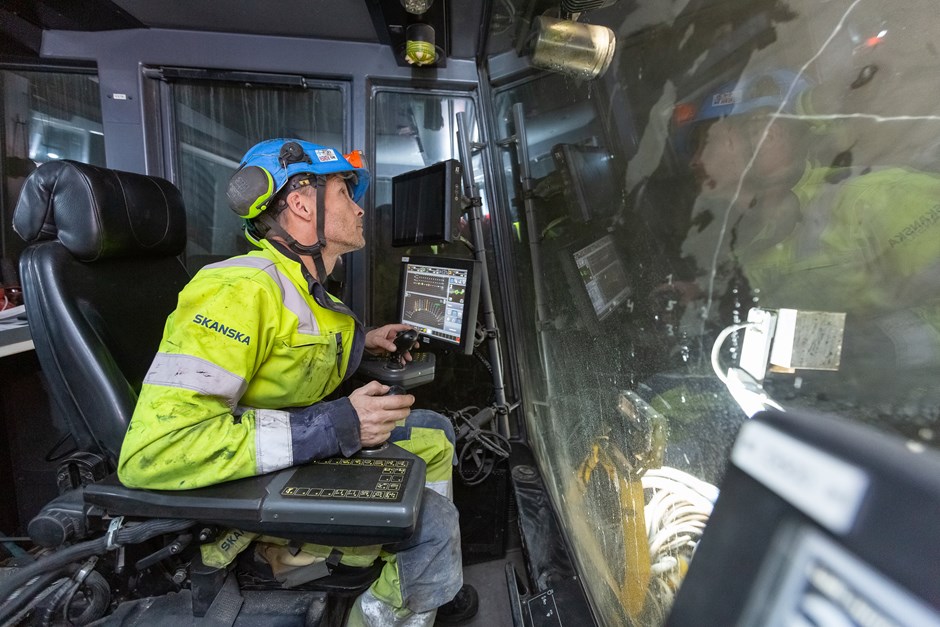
(716, 207)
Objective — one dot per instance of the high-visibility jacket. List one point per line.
(251, 337)
(868, 242)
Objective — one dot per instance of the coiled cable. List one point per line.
(676, 515)
(480, 449)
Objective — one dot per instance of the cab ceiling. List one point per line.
(349, 20)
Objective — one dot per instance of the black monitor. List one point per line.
(426, 205)
(820, 521)
(597, 278)
(591, 184)
(439, 297)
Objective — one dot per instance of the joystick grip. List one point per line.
(395, 390)
(403, 343)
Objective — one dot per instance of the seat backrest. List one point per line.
(100, 275)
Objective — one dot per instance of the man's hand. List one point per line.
(382, 339)
(377, 412)
(682, 292)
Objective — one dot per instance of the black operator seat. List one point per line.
(100, 275)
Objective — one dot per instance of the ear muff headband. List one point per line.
(249, 191)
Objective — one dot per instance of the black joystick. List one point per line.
(403, 343)
(393, 390)
(393, 370)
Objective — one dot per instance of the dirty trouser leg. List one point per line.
(422, 435)
(420, 574)
(424, 571)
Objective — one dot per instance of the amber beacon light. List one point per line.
(569, 47)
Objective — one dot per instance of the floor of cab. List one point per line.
(489, 579)
(284, 608)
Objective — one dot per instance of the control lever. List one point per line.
(393, 370)
(404, 341)
(393, 390)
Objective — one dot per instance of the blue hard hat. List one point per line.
(267, 167)
(777, 89)
(781, 89)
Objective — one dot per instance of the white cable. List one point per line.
(716, 348)
(707, 490)
(676, 515)
(749, 395)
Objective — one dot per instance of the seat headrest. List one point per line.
(99, 213)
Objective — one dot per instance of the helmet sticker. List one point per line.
(724, 98)
(275, 164)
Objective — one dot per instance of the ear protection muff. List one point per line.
(273, 165)
(249, 191)
(251, 187)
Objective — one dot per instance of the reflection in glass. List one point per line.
(778, 155)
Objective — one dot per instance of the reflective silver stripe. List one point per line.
(194, 373)
(272, 440)
(445, 488)
(292, 299)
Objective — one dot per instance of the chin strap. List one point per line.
(314, 251)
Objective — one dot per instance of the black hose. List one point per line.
(83, 550)
(27, 596)
(97, 589)
(151, 529)
(58, 596)
(100, 592)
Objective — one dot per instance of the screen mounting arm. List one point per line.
(522, 152)
(535, 252)
(479, 253)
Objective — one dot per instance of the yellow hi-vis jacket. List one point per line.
(868, 242)
(246, 342)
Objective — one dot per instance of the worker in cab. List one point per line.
(241, 383)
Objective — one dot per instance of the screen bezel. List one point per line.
(579, 290)
(446, 174)
(471, 300)
(583, 203)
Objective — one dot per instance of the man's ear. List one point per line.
(301, 205)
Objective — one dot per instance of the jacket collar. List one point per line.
(299, 273)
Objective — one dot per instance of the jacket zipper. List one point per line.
(339, 353)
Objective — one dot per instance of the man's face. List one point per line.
(344, 228)
(721, 157)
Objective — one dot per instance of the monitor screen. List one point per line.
(602, 276)
(821, 521)
(592, 186)
(426, 205)
(439, 298)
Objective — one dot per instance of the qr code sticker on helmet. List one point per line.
(326, 154)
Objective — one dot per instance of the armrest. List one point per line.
(372, 497)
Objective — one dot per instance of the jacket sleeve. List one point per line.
(188, 430)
